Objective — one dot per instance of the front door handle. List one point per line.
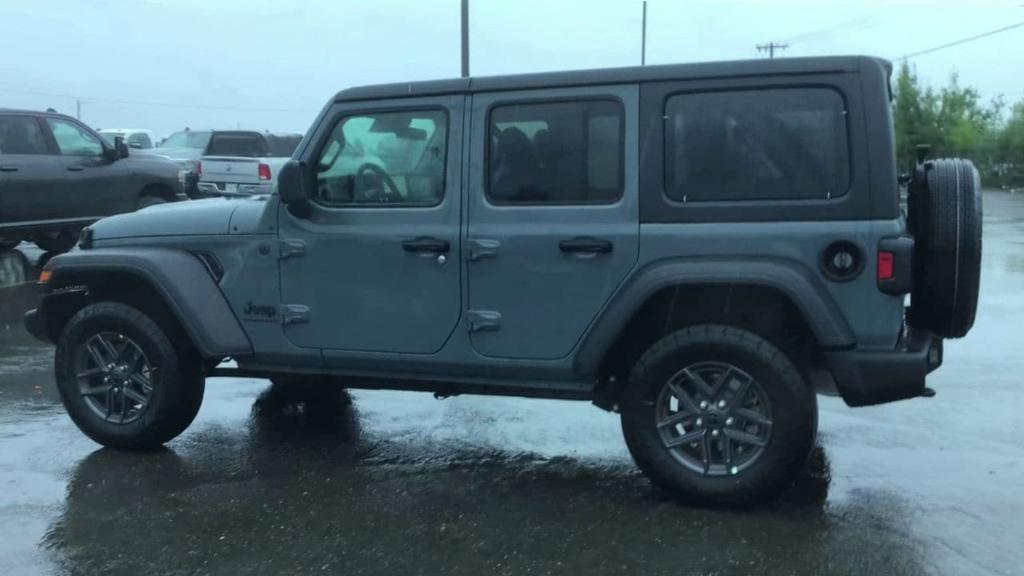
(426, 244)
(586, 244)
(8, 169)
(75, 169)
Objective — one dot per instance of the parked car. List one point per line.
(133, 137)
(699, 248)
(57, 175)
(241, 163)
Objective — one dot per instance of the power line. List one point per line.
(157, 104)
(961, 41)
(771, 47)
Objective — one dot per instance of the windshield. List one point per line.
(197, 139)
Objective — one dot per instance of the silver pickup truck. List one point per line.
(240, 163)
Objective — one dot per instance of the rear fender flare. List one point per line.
(805, 290)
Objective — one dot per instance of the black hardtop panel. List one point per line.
(695, 71)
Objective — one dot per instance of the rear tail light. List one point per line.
(886, 265)
(199, 168)
(264, 172)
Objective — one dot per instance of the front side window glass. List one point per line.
(385, 158)
(73, 140)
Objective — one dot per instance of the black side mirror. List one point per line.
(295, 186)
(120, 148)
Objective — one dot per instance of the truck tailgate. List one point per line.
(221, 169)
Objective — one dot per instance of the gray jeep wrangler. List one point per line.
(701, 248)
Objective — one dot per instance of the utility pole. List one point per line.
(465, 38)
(643, 38)
(771, 47)
(78, 108)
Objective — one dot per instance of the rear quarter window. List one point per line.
(770, 144)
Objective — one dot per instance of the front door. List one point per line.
(553, 216)
(375, 266)
(93, 185)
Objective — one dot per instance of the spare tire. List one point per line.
(945, 219)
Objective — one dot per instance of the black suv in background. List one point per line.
(57, 175)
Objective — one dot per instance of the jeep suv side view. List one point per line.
(699, 247)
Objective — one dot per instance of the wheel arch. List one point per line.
(172, 285)
(780, 300)
(157, 190)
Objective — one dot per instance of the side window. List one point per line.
(775, 144)
(21, 135)
(385, 158)
(555, 153)
(73, 140)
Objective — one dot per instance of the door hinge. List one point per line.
(291, 247)
(480, 248)
(294, 314)
(483, 320)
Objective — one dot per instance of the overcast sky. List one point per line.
(271, 64)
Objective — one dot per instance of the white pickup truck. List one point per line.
(242, 163)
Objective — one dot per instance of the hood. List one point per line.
(189, 218)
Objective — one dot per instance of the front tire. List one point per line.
(122, 381)
(718, 416)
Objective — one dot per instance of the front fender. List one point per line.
(805, 290)
(179, 278)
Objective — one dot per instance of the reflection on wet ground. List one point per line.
(276, 479)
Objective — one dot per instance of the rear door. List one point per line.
(553, 215)
(28, 170)
(93, 184)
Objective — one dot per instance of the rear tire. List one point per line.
(744, 430)
(121, 379)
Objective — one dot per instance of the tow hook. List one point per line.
(927, 392)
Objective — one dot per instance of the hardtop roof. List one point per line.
(694, 71)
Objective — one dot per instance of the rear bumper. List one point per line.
(864, 378)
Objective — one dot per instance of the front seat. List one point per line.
(514, 169)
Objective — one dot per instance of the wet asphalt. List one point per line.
(269, 481)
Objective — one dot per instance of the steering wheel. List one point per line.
(376, 185)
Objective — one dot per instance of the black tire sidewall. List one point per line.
(170, 393)
(793, 406)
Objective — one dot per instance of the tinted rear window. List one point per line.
(776, 144)
(21, 135)
(250, 145)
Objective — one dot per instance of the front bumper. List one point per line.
(865, 378)
(35, 323)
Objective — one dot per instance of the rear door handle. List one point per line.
(426, 244)
(8, 169)
(75, 169)
(586, 244)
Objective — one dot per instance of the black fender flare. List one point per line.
(804, 289)
(180, 278)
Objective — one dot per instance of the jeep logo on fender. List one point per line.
(259, 312)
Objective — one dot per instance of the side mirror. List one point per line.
(295, 186)
(120, 147)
